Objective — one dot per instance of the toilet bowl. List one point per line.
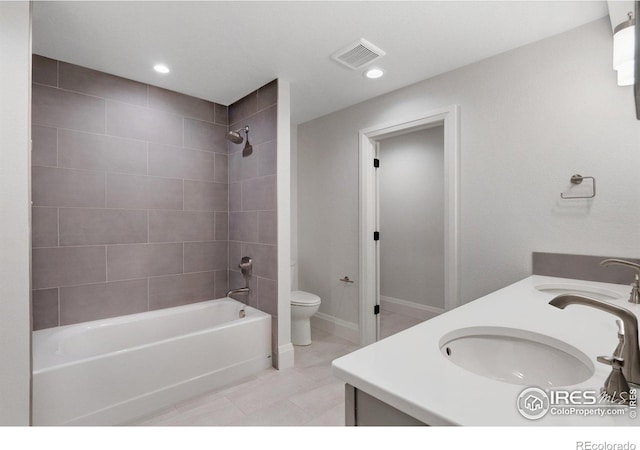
(303, 306)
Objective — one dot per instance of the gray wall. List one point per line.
(253, 201)
(411, 202)
(15, 312)
(530, 118)
(130, 196)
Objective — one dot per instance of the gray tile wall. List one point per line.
(252, 199)
(130, 195)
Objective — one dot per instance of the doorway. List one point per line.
(408, 225)
(411, 216)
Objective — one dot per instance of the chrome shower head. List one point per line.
(234, 136)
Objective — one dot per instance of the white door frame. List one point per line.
(369, 289)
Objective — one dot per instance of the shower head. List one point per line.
(236, 137)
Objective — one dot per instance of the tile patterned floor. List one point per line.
(305, 395)
(392, 323)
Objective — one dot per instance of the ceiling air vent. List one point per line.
(358, 54)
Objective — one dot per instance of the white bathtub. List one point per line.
(111, 371)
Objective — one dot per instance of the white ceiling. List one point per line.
(221, 51)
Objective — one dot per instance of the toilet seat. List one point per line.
(302, 298)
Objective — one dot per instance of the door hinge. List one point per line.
(376, 235)
(376, 309)
(376, 162)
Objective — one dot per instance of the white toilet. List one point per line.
(303, 306)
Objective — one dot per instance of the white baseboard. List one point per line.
(406, 308)
(338, 327)
(285, 356)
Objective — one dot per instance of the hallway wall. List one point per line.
(411, 203)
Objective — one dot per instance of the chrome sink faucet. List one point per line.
(634, 297)
(630, 352)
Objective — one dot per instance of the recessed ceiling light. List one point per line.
(374, 73)
(161, 68)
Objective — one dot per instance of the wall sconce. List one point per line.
(624, 50)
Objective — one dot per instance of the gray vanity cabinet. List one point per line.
(362, 409)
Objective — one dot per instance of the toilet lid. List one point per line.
(304, 298)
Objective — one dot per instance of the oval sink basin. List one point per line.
(516, 356)
(580, 289)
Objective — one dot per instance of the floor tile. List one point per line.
(321, 398)
(271, 390)
(282, 413)
(333, 417)
(392, 323)
(218, 411)
(156, 418)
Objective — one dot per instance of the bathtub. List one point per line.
(111, 371)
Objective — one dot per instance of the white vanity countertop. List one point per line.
(409, 372)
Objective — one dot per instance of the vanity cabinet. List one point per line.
(362, 409)
(409, 379)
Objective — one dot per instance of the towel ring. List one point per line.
(578, 179)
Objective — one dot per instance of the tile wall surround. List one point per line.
(131, 196)
(252, 200)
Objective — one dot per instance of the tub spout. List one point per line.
(244, 290)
